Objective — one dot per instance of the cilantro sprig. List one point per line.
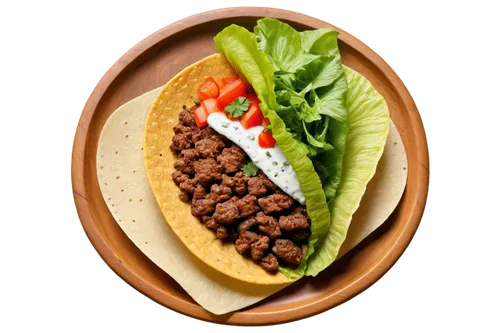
(238, 107)
(250, 169)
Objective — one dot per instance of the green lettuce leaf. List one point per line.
(368, 129)
(282, 44)
(240, 48)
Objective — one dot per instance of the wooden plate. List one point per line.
(155, 60)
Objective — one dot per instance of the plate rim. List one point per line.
(302, 309)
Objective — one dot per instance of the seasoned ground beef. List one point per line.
(200, 207)
(220, 193)
(293, 222)
(232, 159)
(268, 225)
(207, 171)
(237, 183)
(184, 165)
(178, 177)
(207, 148)
(227, 212)
(275, 203)
(287, 250)
(180, 141)
(189, 185)
(222, 232)
(265, 224)
(269, 263)
(247, 205)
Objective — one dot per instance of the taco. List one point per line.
(259, 155)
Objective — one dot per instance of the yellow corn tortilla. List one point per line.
(137, 213)
(159, 161)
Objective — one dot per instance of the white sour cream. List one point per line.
(271, 161)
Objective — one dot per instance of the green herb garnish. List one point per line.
(275, 163)
(197, 100)
(225, 125)
(286, 163)
(250, 169)
(268, 154)
(238, 107)
(251, 137)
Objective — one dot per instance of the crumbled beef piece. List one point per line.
(268, 225)
(184, 165)
(269, 263)
(186, 117)
(178, 177)
(275, 203)
(207, 148)
(189, 154)
(232, 159)
(237, 182)
(259, 247)
(211, 224)
(247, 205)
(256, 186)
(220, 193)
(287, 250)
(180, 141)
(293, 221)
(188, 185)
(179, 128)
(222, 232)
(244, 240)
(246, 225)
(200, 207)
(184, 196)
(209, 133)
(300, 234)
(207, 171)
(199, 192)
(260, 184)
(226, 212)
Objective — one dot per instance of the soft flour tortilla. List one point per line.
(136, 211)
(134, 207)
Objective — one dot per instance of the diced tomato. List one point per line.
(266, 139)
(210, 105)
(253, 98)
(252, 117)
(228, 79)
(230, 92)
(208, 89)
(201, 116)
(264, 122)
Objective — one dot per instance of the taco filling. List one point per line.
(230, 195)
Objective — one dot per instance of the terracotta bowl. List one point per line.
(155, 60)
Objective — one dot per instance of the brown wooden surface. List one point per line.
(155, 60)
